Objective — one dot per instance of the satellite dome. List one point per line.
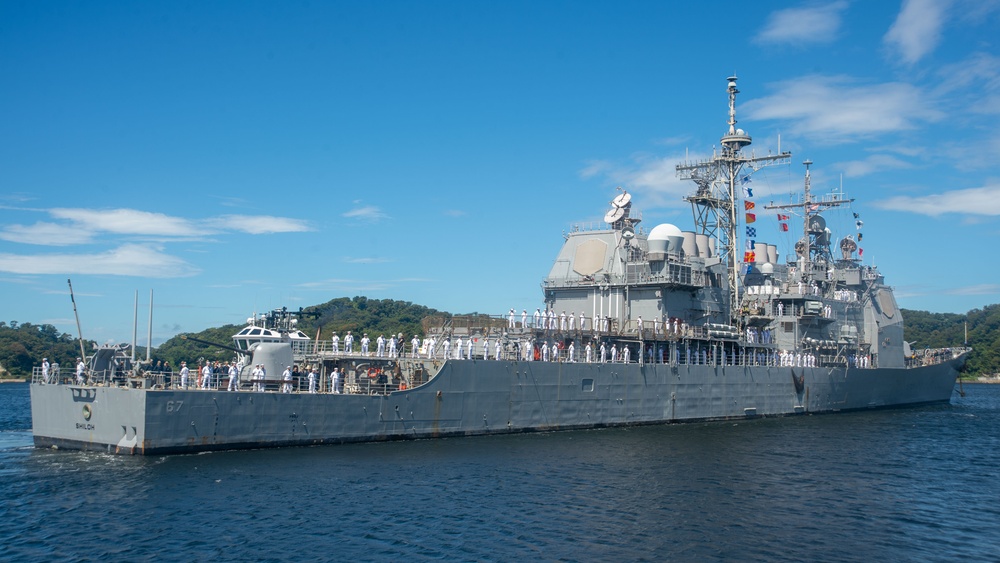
(767, 268)
(664, 237)
(740, 132)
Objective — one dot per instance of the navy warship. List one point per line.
(638, 327)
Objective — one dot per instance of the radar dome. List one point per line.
(767, 268)
(665, 237)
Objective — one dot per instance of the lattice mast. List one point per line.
(810, 208)
(714, 204)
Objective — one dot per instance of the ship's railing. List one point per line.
(934, 356)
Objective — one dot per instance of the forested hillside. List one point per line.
(23, 345)
(939, 330)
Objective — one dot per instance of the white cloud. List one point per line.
(917, 29)
(970, 201)
(261, 224)
(836, 109)
(50, 234)
(129, 222)
(126, 260)
(813, 23)
(655, 177)
(874, 163)
(368, 213)
(81, 226)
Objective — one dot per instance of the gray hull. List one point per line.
(467, 397)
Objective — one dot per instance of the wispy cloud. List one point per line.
(261, 224)
(837, 109)
(874, 163)
(49, 234)
(809, 24)
(126, 260)
(367, 213)
(971, 201)
(81, 226)
(655, 177)
(980, 289)
(917, 29)
(369, 260)
(454, 213)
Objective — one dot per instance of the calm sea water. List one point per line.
(919, 484)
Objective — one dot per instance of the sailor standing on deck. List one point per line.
(365, 341)
(638, 325)
(572, 322)
(184, 373)
(496, 352)
(604, 353)
(312, 380)
(545, 352)
(335, 387)
(429, 343)
(380, 346)
(447, 347)
(583, 321)
(234, 377)
(562, 321)
(534, 317)
(524, 318)
(614, 353)
(510, 318)
(336, 344)
(468, 355)
(349, 343)
(206, 376)
(458, 348)
(80, 366)
(415, 346)
(626, 354)
(571, 352)
(392, 346)
(45, 370)
(286, 376)
(486, 348)
(589, 351)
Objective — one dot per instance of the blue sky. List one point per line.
(241, 156)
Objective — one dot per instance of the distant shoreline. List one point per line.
(13, 380)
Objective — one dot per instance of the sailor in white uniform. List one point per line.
(562, 321)
(614, 353)
(626, 354)
(392, 347)
(447, 348)
(415, 343)
(184, 374)
(45, 370)
(571, 352)
(496, 351)
(234, 377)
(510, 318)
(524, 318)
(604, 353)
(545, 352)
(458, 348)
(206, 376)
(335, 387)
(469, 353)
(583, 321)
(286, 376)
(380, 346)
(589, 352)
(80, 367)
(535, 317)
(430, 342)
(312, 380)
(365, 341)
(336, 343)
(349, 343)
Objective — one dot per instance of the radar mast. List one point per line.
(714, 204)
